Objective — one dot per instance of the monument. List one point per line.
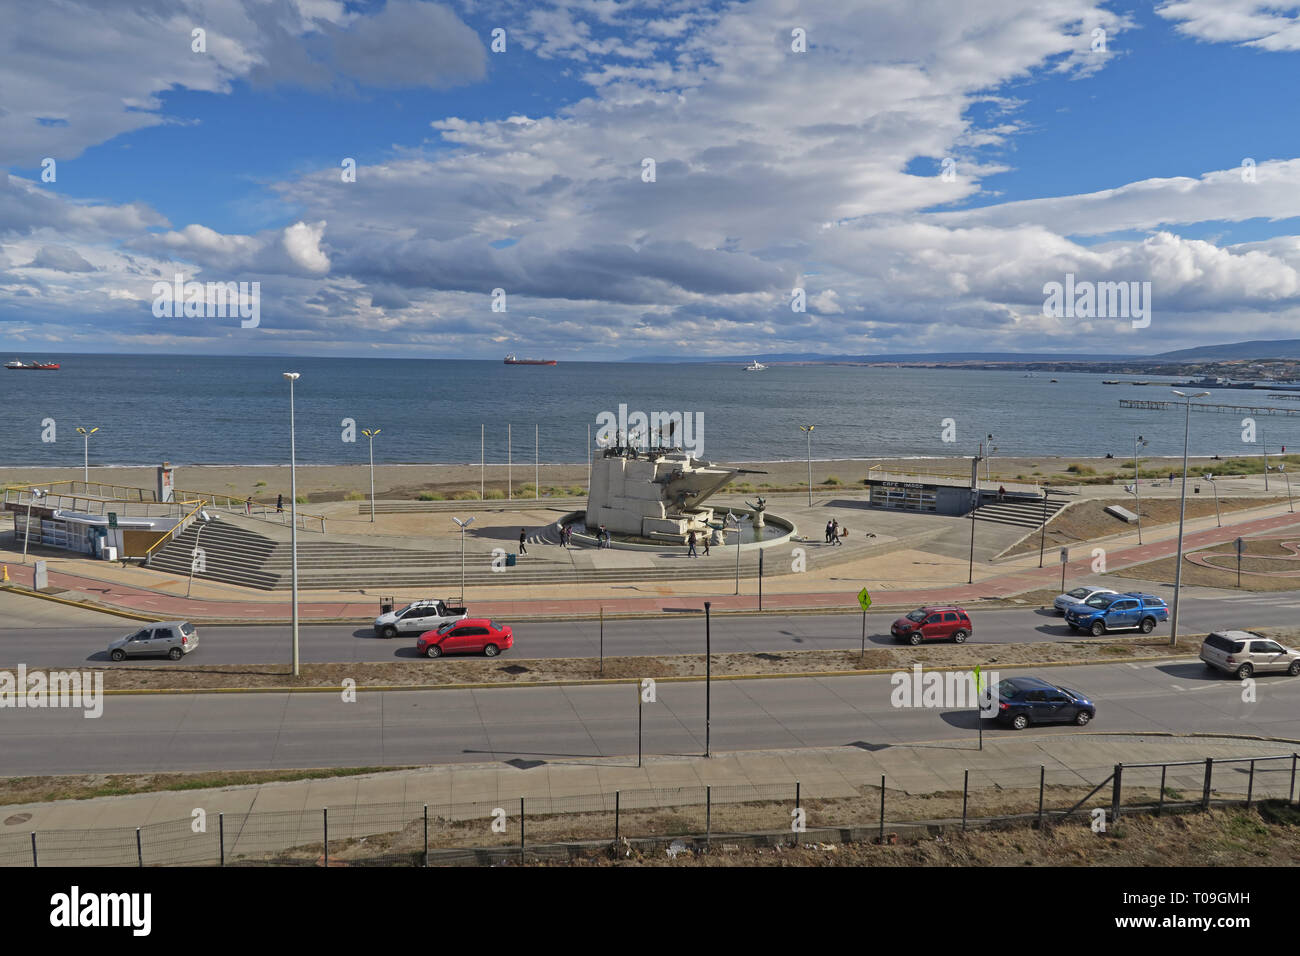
(657, 495)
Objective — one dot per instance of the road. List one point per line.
(43, 644)
(549, 724)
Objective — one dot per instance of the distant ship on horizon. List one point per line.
(511, 360)
(34, 367)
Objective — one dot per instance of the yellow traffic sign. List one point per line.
(864, 599)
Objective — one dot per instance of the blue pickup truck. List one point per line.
(1118, 612)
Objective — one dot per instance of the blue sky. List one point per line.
(777, 169)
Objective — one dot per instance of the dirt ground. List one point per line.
(1261, 554)
(476, 670)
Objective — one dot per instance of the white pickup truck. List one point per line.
(417, 618)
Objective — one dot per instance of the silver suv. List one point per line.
(172, 639)
(1244, 652)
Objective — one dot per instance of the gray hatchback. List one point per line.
(172, 639)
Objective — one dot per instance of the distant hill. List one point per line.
(1261, 349)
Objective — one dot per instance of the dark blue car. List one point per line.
(1028, 700)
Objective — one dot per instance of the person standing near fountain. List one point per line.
(690, 545)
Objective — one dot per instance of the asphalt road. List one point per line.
(43, 644)
(248, 731)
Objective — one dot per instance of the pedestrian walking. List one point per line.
(1002, 493)
(248, 506)
(564, 536)
(830, 527)
(522, 535)
(279, 504)
(707, 535)
(690, 545)
(835, 532)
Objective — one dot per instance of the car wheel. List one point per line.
(1098, 629)
(1148, 625)
(914, 638)
(175, 653)
(1082, 718)
(1294, 669)
(433, 650)
(1020, 722)
(491, 651)
(118, 655)
(959, 637)
(390, 631)
(1244, 671)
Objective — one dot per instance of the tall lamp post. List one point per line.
(1137, 499)
(1217, 517)
(27, 526)
(293, 514)
(1290, 502)
(194, 555)
(86, 451)
(1182, 512)
(463, 525)
(733, 518)
(988, 461)
(808, 430)
(371, 436)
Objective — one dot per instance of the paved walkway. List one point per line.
(126, 589)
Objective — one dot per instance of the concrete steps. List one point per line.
(1022, 514)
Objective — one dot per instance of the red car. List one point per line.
(933, 624)
(471, 635)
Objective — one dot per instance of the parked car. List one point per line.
(1067, 600)
(940, 623)
(473, 635)
(1118, 612)
(172, 639)
(418, 617)
(1028, 700)
(1242, 653)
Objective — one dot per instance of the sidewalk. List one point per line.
(115, 588)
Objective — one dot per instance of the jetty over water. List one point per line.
(1209, 407)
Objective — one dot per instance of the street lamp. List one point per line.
(808, 430)
(86, 450)
(1137, 507)
(371, 436)
(1210, 479)
(463, 525)
(1282, 468)
(733, 518)
(988, 461)
(293, 514)
(1182, 512)
(1138, 440)
(194, 555)
(27, 526)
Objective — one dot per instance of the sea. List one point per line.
(192, 410)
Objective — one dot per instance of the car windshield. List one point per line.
(1073, 693)
(1100, 600)
(1006, 689)
(447, 624)
(1079, 593)
(916, 616)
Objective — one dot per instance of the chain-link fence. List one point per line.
(552, 828)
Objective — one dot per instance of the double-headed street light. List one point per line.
(808, 430)
(463, 525)
(1182, 512)
(1290, 502)
(371, 436)
(293, 515)
(1217, 516)
(205, 518)
(1138, 440)
(86, 450)
(36, 494)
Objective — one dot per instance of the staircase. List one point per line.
(1021, 512)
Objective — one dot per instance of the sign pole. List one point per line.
(864, 600)
(1065, 556)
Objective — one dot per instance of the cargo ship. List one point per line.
(34, 367)
(511, 360)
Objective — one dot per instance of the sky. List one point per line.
(603, 179)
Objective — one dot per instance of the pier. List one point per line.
(1209, 407)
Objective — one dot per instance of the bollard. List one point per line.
(221, 838)
(139, 851)
(1116, 793)
(34, 863)
(1042, 779)
(1209, 773)
(1250, 787)
(1164, 768)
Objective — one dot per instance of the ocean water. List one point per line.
(235, 410)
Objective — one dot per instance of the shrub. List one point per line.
(465, 496)
(260, 484)
(577, 490)
(301, 499)
(493, 494)
(354, 496)
(1077, 469)
(430, 496)
(832, 480)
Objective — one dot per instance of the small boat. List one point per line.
(511, 360)
(34, 367)
(755, 366)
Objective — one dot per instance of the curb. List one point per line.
(86, 605)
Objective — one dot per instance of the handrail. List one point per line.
(176, 529)
(243, 506)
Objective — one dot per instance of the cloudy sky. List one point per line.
(920, 168)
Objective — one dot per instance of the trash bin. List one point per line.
(510, 559)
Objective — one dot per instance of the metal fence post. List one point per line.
(617, 796)
(1042, 779)
(708, 817)
(796, 807)
(1116, 792)
(521, 829)
(1250, 787)
(325, 817)
(139, 850)
(34, 862)
(965, 788)
(221, 838)
(1291, 792)
(1164, 768)
(1209, 772)
(882, 809)
(426, 834)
